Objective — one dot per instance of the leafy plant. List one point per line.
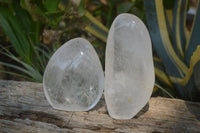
(31, 72)
(22, 21)
(18, 30)
(177, 47)
(23, 33)
(45, 11)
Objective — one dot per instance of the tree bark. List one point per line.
(24, 108)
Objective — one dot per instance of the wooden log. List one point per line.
(24, 108)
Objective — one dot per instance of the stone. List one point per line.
(129, 69)
(74, 78)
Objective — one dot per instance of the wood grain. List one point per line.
(24, 109)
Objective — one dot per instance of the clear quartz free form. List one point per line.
(129, 71)
(74, 79)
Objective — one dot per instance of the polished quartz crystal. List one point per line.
(74, 79)
(129, 71)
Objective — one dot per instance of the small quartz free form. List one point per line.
(74, 79)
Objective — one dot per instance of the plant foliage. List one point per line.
(178, 50)
(23, 33)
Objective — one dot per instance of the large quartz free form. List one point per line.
(74, 79)
(129, 71)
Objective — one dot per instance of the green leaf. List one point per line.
(51, 5)
(53, 18)
(31, 71)
(16, 74)
(15, 67)
(96, 28)
(164, 90)
(169, 21)
(178, 34)
(163, 77)
(22, 15)
(183, 29)
(124, 7)
(46, 12)
(81, 8)
(35, 8)
(30, 27)
(15, 33)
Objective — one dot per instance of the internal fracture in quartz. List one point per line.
(74, 79)
(129, 71)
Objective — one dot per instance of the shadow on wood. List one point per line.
(194, 109)
(144, 110)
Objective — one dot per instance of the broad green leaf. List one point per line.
(124, 7)
(35, 8)
(30, 27)
(53, 18)
(81, 8)
(45, 12)
(39, 4)
(23, 16)
(51, 5)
